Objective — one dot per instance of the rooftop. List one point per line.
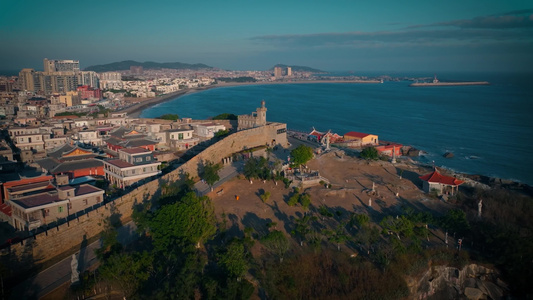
(436, 177)
(357, 134)
(135, 150)
(119, 163)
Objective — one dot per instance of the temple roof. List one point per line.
(436, 177)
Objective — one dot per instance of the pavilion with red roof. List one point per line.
(442, 183)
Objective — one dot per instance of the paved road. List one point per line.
(226, 173)
(56, 275)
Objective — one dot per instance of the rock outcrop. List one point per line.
(471, 282)
(448, 155)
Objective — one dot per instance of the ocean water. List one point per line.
(488, 128)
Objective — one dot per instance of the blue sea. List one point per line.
(489, 129)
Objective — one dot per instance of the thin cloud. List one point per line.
(509, 20)
(514, 26)
(394, 37)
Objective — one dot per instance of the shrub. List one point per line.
(323, 210)
(265, 196)
(293, 200)
(370, 153)
(305, 201)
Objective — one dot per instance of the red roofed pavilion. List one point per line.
(442, 183)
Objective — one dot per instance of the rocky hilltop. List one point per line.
(471, 282)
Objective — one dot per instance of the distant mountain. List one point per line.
(299, 68)
(148, 65)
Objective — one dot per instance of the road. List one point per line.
(53, 277)
(225, 174)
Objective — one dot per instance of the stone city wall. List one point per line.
(58, 240)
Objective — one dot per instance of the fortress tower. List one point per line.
(256, 119)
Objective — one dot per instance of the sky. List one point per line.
(335, 35)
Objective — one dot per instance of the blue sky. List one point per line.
(451, 35)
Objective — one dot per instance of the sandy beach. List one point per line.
(135, 110)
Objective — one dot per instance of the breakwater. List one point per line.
(449, 83)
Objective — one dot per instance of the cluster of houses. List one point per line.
(432, 182)
(356, 140)
(49, 166)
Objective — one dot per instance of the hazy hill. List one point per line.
(125, 65)
(299, 68)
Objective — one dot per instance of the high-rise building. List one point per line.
(27, 79)
(54, 65)
(63, 82)
(289, 71)
(111, 76)
(89, 78)
(277, 72)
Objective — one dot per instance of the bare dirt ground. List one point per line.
(351, 189)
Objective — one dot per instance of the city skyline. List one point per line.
(239, 35)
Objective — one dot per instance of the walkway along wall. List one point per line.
(55, 241)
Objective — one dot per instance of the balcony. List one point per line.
(32, 224)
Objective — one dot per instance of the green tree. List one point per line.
(128, 271)
(301, 155)
(277, 243)
(222, 133)
(323, 210)
(455, 221)
(256, 167)
(305, 200)
(293, 200)
(225, 116)
(359, 219)
(399, 226)
(210, 174)
(370, 153)
(338, 236)
(172, 117)
(303, 228)
(189, 221)
(233, 260)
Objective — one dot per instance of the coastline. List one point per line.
(135, 110)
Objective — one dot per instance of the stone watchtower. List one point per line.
(261, 113)
(256, 119)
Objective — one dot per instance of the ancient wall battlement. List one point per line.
(55, 241)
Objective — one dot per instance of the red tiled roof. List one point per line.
(357, 134)
(86, 189)
(43, 185)
(28, 180)
(6, 209)
(436, 177)
(37, 200)
(120, 163)
(135, 150)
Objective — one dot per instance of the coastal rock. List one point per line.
(442, 282)
(448, 155)
(413, 152)
(473, 293)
